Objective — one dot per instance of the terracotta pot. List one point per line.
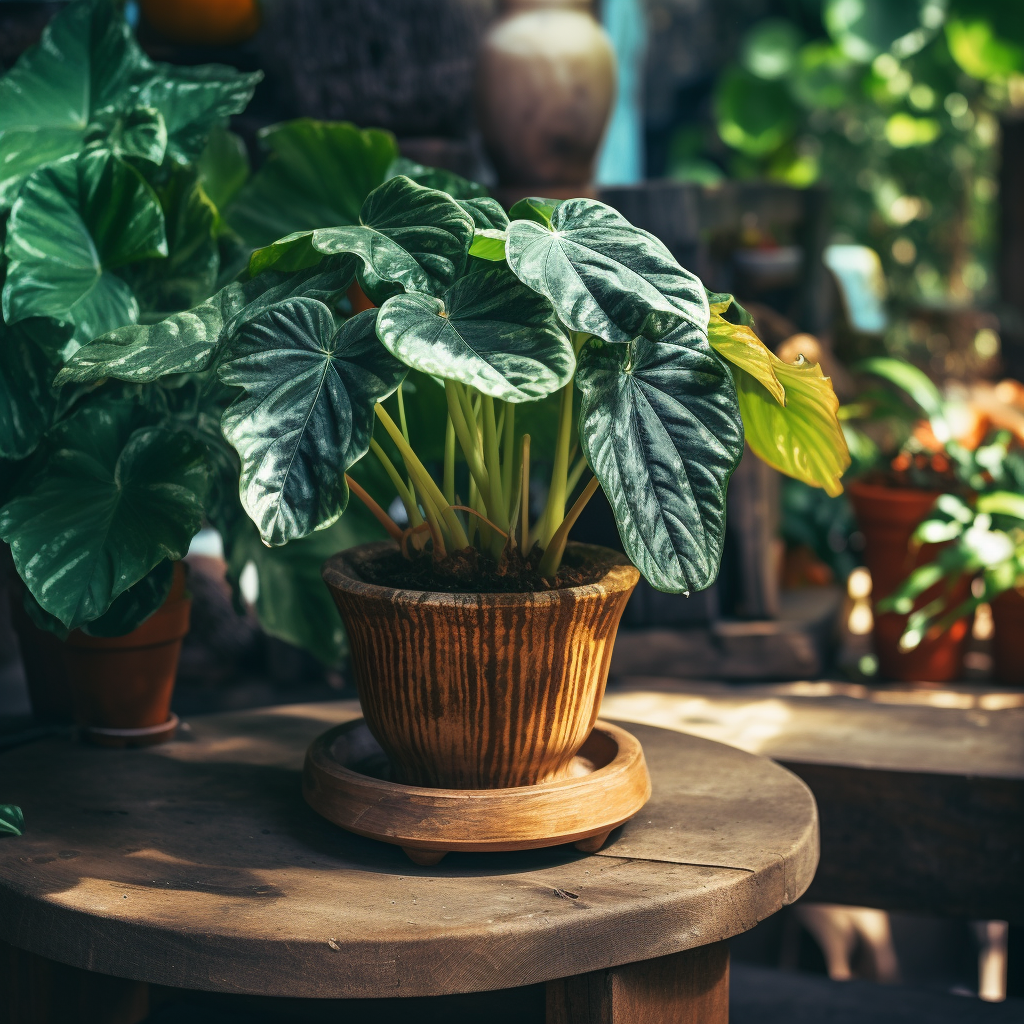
(545, 89)
(203, 22)
(125, 682)
(887, 517)
(1008, 638)
(480, 691)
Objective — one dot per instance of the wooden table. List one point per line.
(920, 789)
(196, 865)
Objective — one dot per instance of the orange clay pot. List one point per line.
(204, 22)
(125, 682)
(887, 517)
(358, 298)
(1008, 638)
(480, 691)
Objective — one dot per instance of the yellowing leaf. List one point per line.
(738, 344)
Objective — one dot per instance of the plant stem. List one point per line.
(552, 559)
(554, 510)
(508, 455)
(405, 426)
(467, 439)
(449, 461)
(492, 459)
(406, 494)
(379, 514)
(524, 499)
(428, 490)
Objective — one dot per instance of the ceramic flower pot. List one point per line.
(1008, 638)
(887, 517)
(121, 686)
(545, 89)
(480, 691)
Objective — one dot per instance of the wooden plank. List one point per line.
(197, 865)
(685, 988)
(921, 804)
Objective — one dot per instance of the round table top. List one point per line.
(197, 864)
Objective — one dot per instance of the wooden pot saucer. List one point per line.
(346, 780)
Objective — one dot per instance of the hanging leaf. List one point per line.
(188, 342)
(293, 604)
(27, 401)
(603, 275)
(307, 412)
(115, 500)
(408, 238)
(738, 344)
(12, 821)
(436, 177)
(488, 330)
(661, 429)
(318, 174)
(73, 224)
(803, 438)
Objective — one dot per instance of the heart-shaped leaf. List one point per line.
(318, 174)
(487, 213)
(408, 238)
(307, 412)
(660, 427)
(802, 438)
(112, 503)
(603, 275)
(188, 342)
(489, 330)
(12, 821)
(27, 402)
(74, 222)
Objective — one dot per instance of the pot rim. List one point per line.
(338, 571)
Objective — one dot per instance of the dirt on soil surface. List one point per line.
(472, 572)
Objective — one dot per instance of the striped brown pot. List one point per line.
(480, 691)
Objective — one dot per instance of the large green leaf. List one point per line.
(603, 275)
(189, 274)
(437, 177)
(486, 213)
(139, 134)
(865, 28)
(12, 821)
(307, 412)
(408, 238)
(738, 344)
(802, 438)
(113, 502)
(293, 603)
(27, 401)
(489, 330)
(188, 342)
(75, 222)
(85, 70)
(318, 174)
(660, 427)
(223, 166)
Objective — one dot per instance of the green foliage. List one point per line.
(12, 821)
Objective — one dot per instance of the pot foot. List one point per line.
(593, 843)
(425, 858)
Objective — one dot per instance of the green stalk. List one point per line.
(574, 474)
(437, 529)
(425, 484)
(524, 501)
(508, 455)
(496, 507)
(449, 462)
(467, 438)
(405, 426)
(552, 559)
(407, 495)
(554, 510)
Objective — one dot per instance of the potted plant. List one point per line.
(980, 540)
(558, 332)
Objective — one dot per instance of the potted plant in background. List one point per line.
(558, 327)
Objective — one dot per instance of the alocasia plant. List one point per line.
(560, 314)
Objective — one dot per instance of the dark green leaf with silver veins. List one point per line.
(660, 427)
(488, 330)
(603, 275)
(307, 412)
(27, 401)
(115, 500)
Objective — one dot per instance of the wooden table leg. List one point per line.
(35, 990)
(685, 988)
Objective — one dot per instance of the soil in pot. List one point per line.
(126, 682)
(1008, 638)
(887, 517)
(480, 690)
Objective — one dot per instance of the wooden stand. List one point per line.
(346, 780)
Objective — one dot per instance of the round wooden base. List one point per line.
(346, 780)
